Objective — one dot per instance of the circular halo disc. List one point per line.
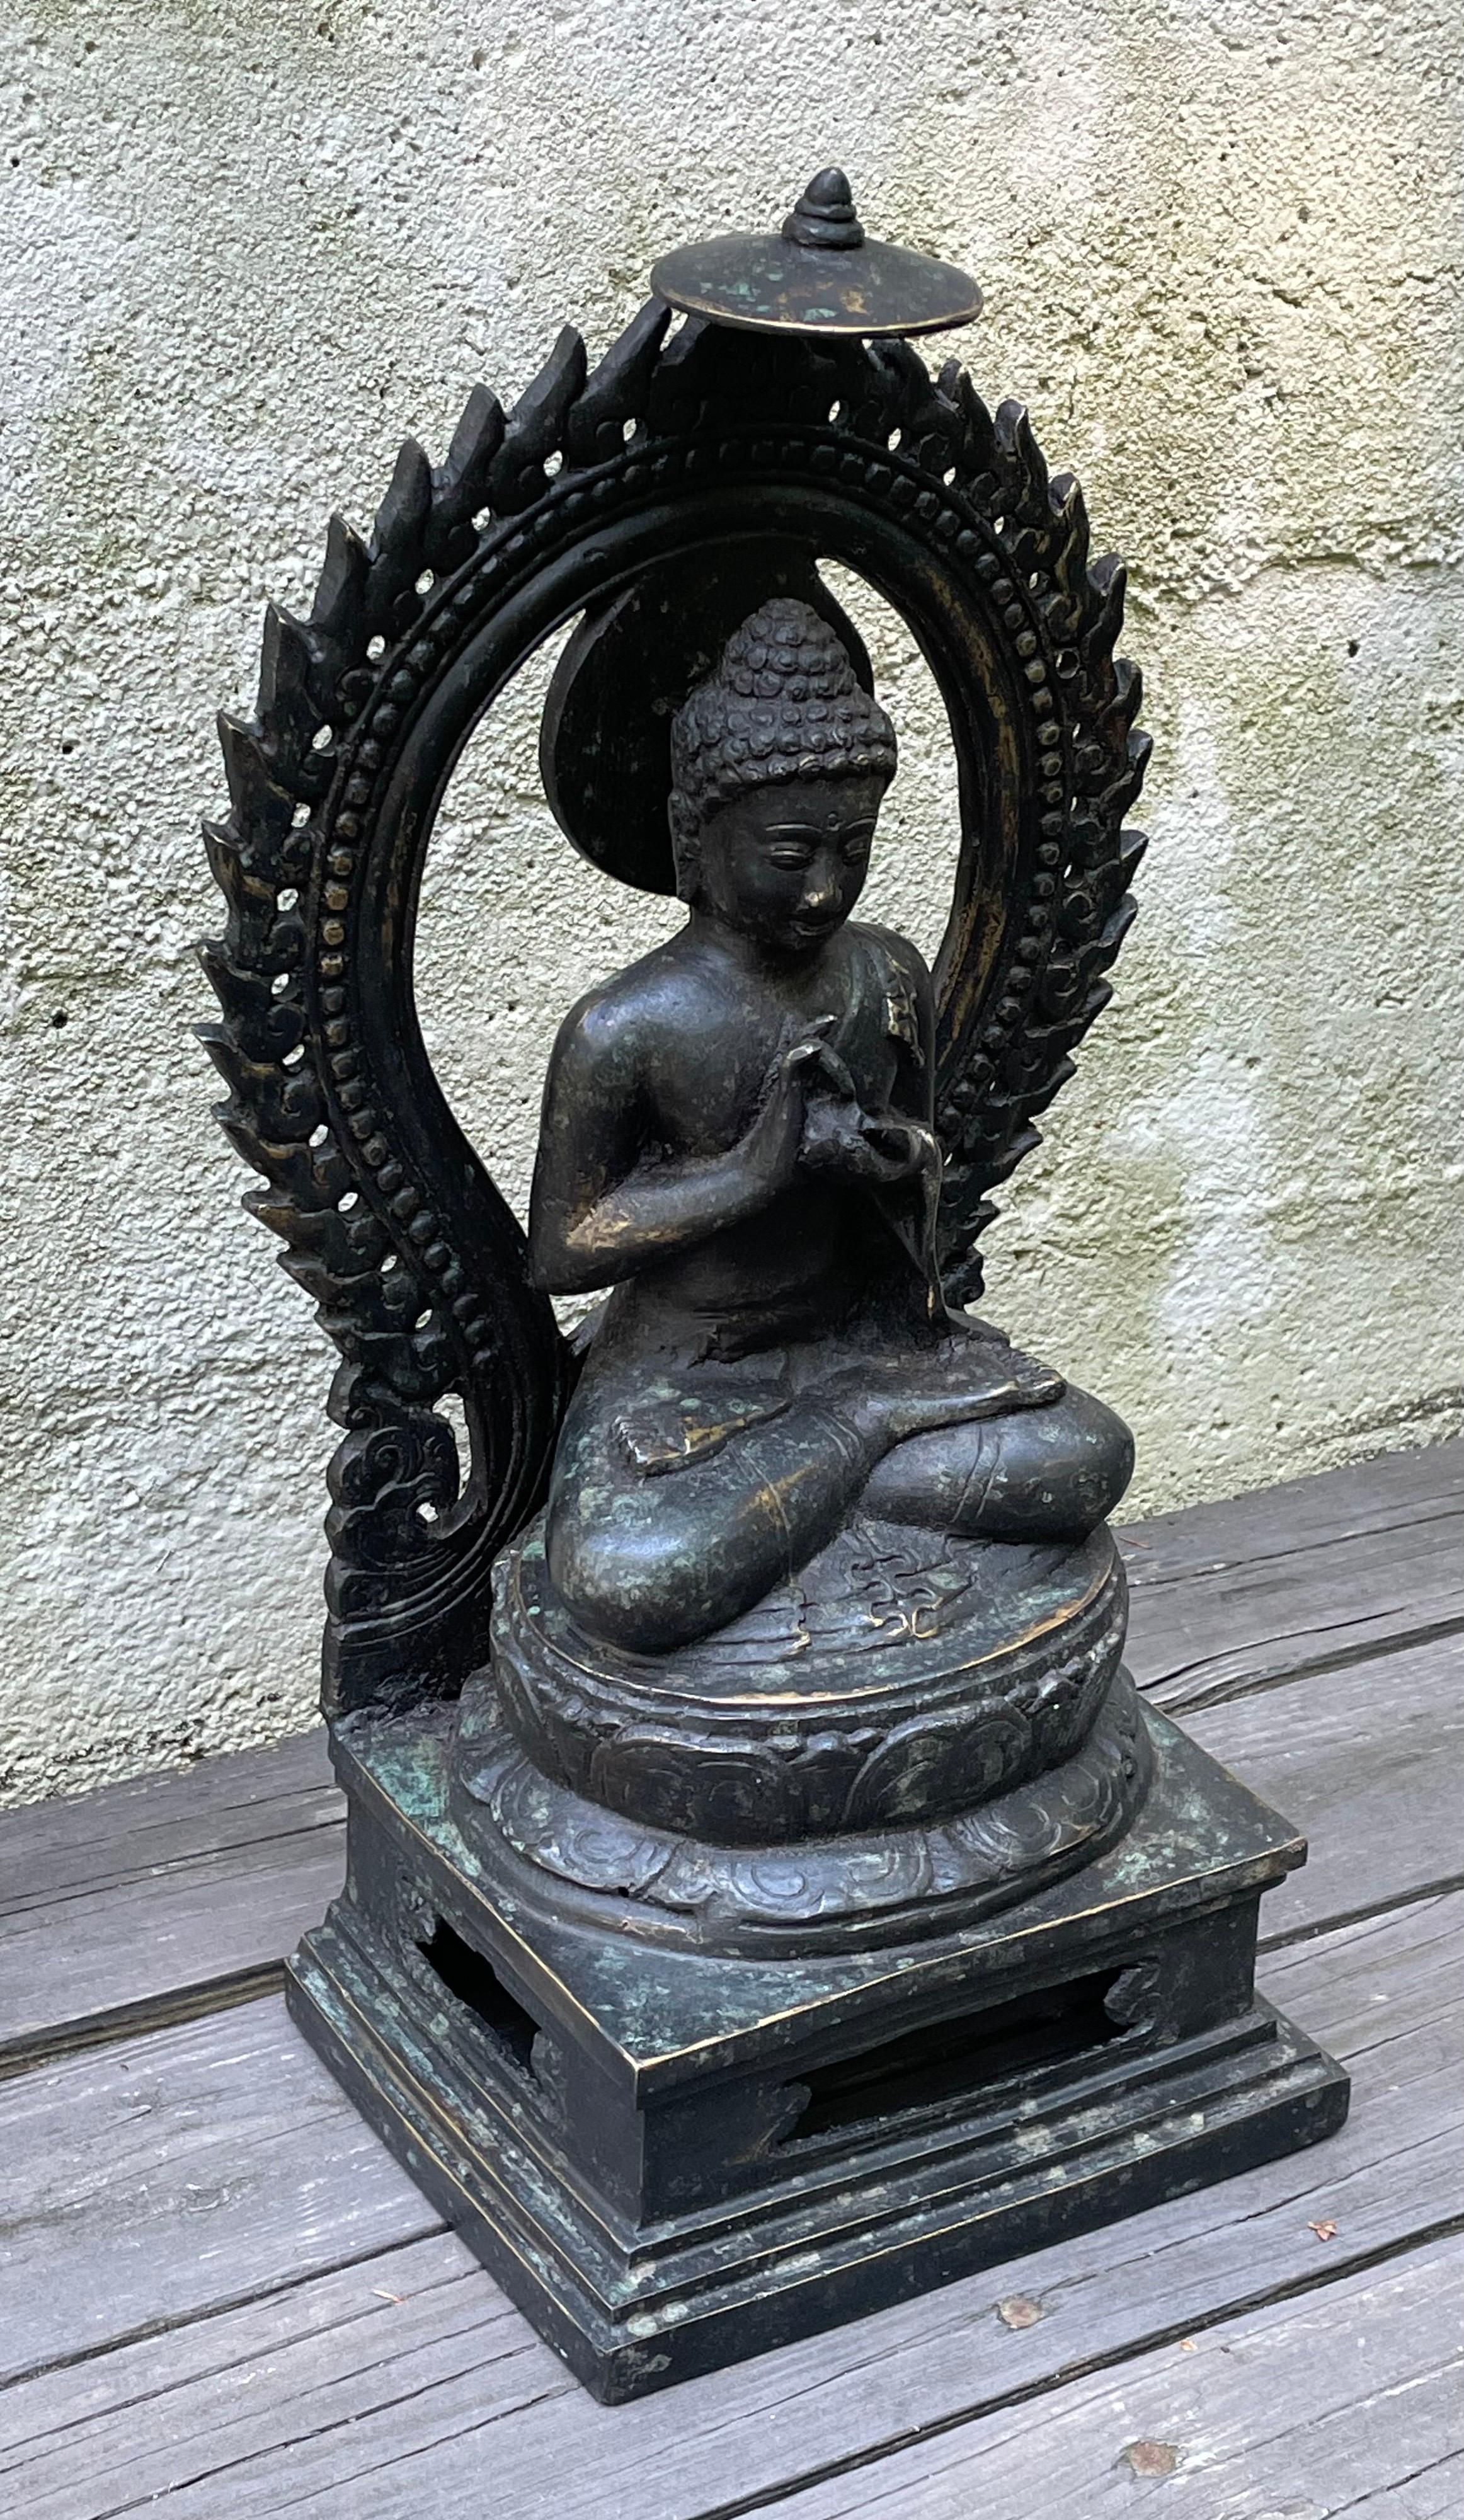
(604, 738)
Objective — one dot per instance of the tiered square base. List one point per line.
(670, 2160)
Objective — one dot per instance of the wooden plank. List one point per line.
(161, 1898)
(1200, 1637)
(406, 2378)
(1333, 2403)
(50, 1848)
(161, 2177)
(1393, 1490)
(1369, 1762)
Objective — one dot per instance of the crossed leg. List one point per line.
(1037, 1474)
(976, 1442)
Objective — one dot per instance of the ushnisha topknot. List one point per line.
(785, 702)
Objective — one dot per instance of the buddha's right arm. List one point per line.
(608, 1202)
(651, 1216)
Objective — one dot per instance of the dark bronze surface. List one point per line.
(879, 1880)
(901, 1680)
(820, 274)
(738, 1140)
(797, 1816)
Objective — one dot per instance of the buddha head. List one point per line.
(780, 761)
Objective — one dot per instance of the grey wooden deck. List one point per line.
(222, 2298)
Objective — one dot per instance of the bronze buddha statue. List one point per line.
(822, 1564)
(738, 1140)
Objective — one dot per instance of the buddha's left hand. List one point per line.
(840, 1137)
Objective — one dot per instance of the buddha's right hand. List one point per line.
(771, 1146)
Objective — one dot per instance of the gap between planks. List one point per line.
(165, 2011)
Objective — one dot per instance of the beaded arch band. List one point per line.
(848, 448)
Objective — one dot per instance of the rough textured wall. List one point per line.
(248, 247)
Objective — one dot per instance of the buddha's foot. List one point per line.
(888, 1399)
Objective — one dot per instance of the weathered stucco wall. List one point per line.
(247, 248)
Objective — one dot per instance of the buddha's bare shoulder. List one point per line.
(642, 1010)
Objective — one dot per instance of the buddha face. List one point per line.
(785, 864)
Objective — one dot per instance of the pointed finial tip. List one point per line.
(825, 216)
